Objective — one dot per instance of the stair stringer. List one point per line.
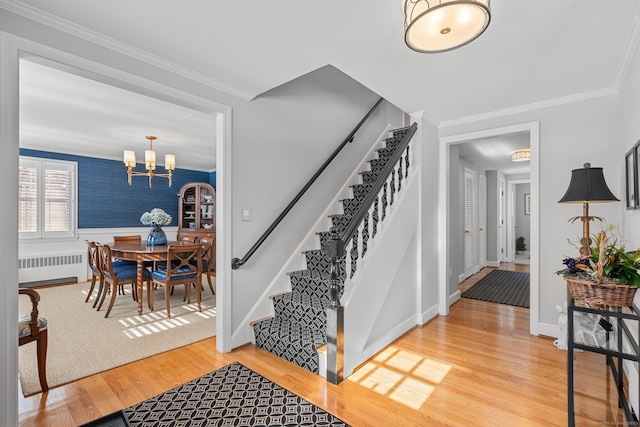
(280, 283)
(389, 272)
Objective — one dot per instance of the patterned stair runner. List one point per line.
(298, 328)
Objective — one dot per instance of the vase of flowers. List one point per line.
(156, 219)
(606, 277)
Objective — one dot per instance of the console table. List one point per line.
(616, 324)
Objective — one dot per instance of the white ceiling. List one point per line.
(534, 53)
(65, 112)
(494, 153)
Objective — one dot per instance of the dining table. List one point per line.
(140, 252)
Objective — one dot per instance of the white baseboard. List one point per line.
(548, 330)
(493, 264)
(428, 315)
(454, 297)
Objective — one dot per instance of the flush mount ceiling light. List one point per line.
(521, 155)
(149, 163)
(439, 26)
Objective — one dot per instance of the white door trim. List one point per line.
(533, 128)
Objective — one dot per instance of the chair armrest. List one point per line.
(35, 298)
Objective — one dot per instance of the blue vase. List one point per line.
(156, 236)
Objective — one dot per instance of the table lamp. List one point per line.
(587, 186)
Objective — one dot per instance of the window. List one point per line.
(46, 198)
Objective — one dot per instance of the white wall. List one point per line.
(427, 146)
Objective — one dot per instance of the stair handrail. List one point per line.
(358, 217)
(239, 262)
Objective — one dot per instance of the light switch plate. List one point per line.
(246, 213)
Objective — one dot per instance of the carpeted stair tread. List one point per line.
(305, 309)
(314, 283)
(291, 341)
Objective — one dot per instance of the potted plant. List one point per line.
(607, 276)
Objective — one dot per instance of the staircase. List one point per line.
(298, 328)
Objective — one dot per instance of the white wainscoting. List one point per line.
(55, 260)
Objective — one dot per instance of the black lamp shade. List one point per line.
(588, 185)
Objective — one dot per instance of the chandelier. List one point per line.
(149, 163)
(441, 25)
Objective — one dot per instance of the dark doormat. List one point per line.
(503, 287)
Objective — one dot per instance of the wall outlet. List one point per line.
(450, 271)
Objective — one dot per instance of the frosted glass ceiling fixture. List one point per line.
(149, 163)
(521, 155)
(439, 26)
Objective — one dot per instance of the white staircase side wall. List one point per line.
(280, 283)
(380, 303)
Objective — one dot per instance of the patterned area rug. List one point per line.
(503, 287)
(231, 396)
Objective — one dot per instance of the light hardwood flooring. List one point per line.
(478, 366)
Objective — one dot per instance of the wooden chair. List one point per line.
(183, 267)
(209, 259)
(136, 239)
(127, 239)
(118, 277)
(94, 264)
(31, 327)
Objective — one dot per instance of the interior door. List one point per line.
(470, 247)
(482, 220)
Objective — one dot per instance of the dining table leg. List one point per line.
(139, 282)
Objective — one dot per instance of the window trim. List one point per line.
(42, 164)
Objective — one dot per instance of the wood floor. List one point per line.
(477, 366)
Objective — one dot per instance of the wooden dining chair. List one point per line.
(183, 267)
(94, 264)
(116, 278)
(209, 259)
(135, 239)
(32, 327)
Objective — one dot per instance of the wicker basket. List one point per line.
(603, 295)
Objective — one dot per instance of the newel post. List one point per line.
(334, 249)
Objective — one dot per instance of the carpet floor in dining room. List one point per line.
(83, 342)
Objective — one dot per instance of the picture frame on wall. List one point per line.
(631, 178)
(527, 204)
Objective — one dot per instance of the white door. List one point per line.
(470, 244)
(482, 220)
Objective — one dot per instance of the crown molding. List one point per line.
(109, 43)
(630, 48)
(530, 107)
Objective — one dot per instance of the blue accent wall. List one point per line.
(105, 199)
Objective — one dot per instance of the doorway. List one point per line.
(445, 213)
(12, 49)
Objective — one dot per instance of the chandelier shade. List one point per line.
(438, 26)
(129, 159)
